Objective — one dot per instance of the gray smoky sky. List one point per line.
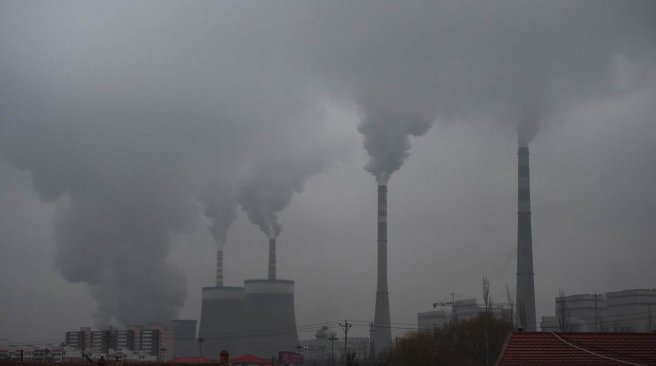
(135, 137)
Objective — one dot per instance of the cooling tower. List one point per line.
(221, 320)
(269, 318)
(525, 286)
(382, 330)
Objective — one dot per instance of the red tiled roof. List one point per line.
(191, 360)
(584, 349)
(249, 359)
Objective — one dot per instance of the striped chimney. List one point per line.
(525, 283)
(219, 268)
(272, 259)
(382, 330)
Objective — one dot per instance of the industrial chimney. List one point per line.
(272, 259)
(219, 267)
(525, 285)
(382, 329)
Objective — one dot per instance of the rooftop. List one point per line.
(584, 349)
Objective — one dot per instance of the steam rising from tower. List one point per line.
(525, 283)
(382, 330)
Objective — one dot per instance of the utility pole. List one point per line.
(332, 340)
(345, 327)
(200, 346)
(596, 313)
(106, 340)
(372, 343)
(649, 326)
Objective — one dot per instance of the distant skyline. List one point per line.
(127, 130)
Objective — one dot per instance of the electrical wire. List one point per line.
(596, 354)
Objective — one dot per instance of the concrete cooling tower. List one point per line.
(184, 338)
(221, 320)
(269, 317)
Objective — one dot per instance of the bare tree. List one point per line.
(511, 305)
(487, 301)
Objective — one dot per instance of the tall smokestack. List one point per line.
(219, 268)
(525, 283)
(382, 329)
(272, 259)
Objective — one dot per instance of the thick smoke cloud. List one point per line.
(220, 207)
(136, 119)
(135, 125)
(268, 189)
(506, 63)
(386, 139)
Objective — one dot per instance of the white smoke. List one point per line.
(269, 186)
(220, 206)
(387, 141)
(125, 113)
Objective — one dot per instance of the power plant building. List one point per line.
(221, 320)
(618, 311)
(631, 310)
(270, 320)
(581, 313)
(184, 338)
(430, 320)
(258, 318)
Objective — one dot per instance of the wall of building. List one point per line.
(618, 311)
(430, 320)
(631, 310)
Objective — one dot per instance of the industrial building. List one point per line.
(258, 318)
(430, 320)
(32, 353)
(618, 311)
(220, 320)
(153, 343)
(80, 339)
(631, 310)
(463, 309)
(327, 348)
(581, 313)
(184, 338)
(549, 323)
(269, 317)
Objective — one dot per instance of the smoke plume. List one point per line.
(125, 133)
(269, 186)
(387, 141)
(125, 113)
(220, 207)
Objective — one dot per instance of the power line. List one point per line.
(596, 354)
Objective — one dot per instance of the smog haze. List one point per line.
(136, 137)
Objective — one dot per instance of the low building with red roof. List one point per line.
(249, 359)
